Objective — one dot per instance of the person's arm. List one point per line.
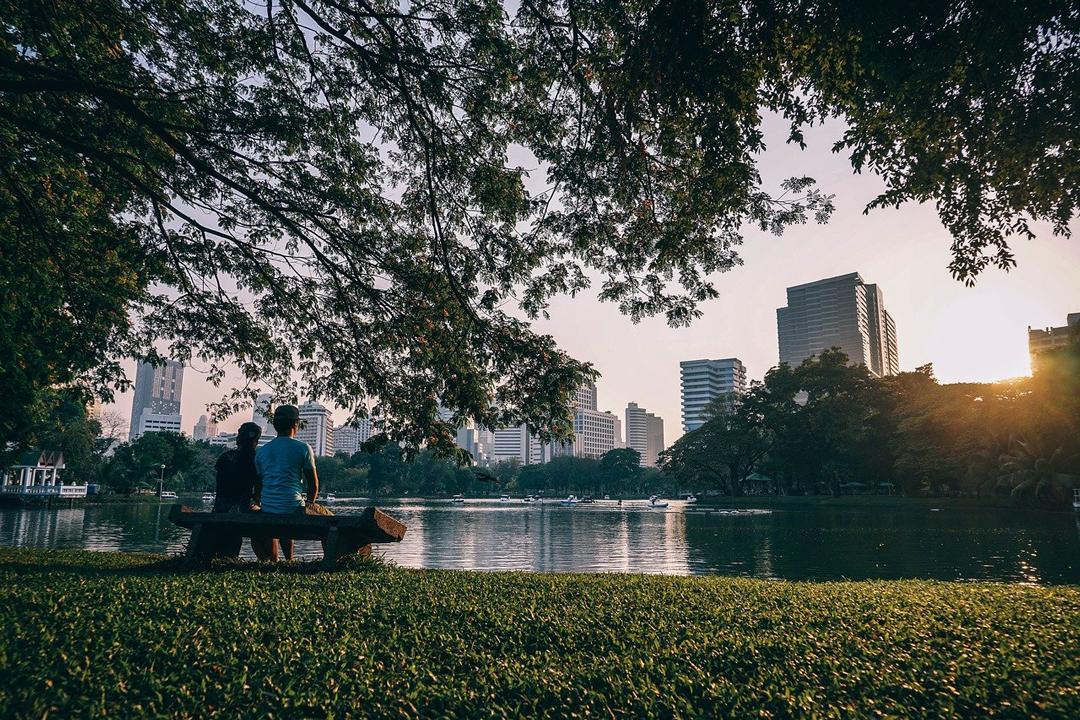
(256, 495)
(311, 478)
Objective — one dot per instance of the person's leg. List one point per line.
(317, 509)
(286, 548)
(265, 548)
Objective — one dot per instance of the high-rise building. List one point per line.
(1039, 341)
(644, 433)
(595, 432)
(156, 405)
(842, 312)
(512, 444)
(316, 428)
(348, 439)
(205, 429)
(260, 413)
(703, 381)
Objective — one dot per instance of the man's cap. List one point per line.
(248, 431)
(287, 413)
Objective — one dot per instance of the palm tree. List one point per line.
(1031, 469)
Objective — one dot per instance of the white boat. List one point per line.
(656, 502)
(504, 498)
(168, 495)
(208, 497)
(331, 497)
(529, 499)
(691, 499)
(1076, 499)
(457, 499)
(572, 500)
(607, 497)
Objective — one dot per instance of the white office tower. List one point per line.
(644, 433)
(156, 405)
(260, 413)
(842, 312)
(517, 444)
(703, 381)
(348, 439)
(205, 429)
(595, 432)
(316, 428)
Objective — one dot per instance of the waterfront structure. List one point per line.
(156, 404)
(37, 473)
(316, 428)
(703, 381)
(348, 439)
(644, 433)
(1039, 341)
(843, 312)
(205, 428)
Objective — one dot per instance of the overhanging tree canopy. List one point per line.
(341, 187)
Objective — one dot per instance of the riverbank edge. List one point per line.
(81, 629)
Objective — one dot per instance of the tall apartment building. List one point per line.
(260, 413)
(595, 431)
(156, 405)
(348, 439)
(205, 428)
(511, 444)
(843, 312)
(703, 381)
(316, 428)
(1039, 341)
(644, 433)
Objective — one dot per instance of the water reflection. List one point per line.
(811, 543)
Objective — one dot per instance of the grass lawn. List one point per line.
(87, 634)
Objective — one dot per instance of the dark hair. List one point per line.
(249, 431)
(283, 426)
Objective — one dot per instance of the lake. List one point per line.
(811, 542)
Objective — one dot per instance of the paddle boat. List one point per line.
(656, 502)
(607, 497)
(529, 499)
(691, 499)
(168, 495)
(457, 499)
(1076, 499)
(571, 500)
(208, 497)
(331, 498)
(504, 498)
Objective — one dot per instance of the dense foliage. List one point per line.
(398, 643)
(828, 427)
(388, 473)
(359, 192)
(188, 465)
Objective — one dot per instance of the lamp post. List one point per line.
(161, 481)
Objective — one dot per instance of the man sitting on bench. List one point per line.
(290, 484)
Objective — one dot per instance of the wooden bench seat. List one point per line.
(342, 534)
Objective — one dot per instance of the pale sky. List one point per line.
(969, 334)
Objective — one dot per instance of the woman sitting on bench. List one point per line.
(290, 483)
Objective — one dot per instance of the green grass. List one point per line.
(87, 634)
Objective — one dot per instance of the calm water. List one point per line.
(799, 543)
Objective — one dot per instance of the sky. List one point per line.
(969, 333)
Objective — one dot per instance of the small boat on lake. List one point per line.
(168, 495)
(208, 497)
(1076, 499)
(587, 500)
(571, 500)
(691, 499)
(331, 498)
(504, 498)
(656, 502)
(607, 497)
(457, 499)
(529, 499)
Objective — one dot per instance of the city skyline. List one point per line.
(976, 334)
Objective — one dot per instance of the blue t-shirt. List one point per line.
(281, 464)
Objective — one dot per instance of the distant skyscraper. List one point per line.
(511, 444)
(841, 312)
(156, 405)
(205, 429)
(704, 381)
(1039, 341)
(595, 432)
(260, 413)
(316, 428)
(349, 438)
(644, 433)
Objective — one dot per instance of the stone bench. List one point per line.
(342, 535)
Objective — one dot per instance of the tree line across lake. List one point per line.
(823, 427)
